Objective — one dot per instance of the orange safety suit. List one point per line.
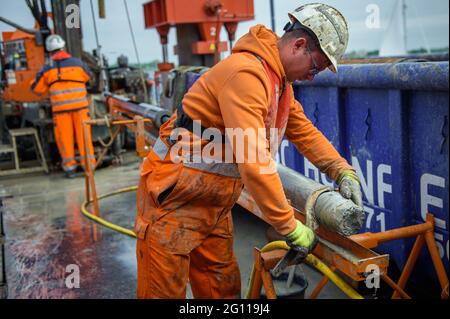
(184, 224)
(65, 78)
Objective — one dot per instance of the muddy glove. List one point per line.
(302, 236)
(349, 186)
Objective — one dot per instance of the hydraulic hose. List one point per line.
(103, 221)
(313, 261)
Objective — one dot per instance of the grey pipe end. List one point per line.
(338, 214)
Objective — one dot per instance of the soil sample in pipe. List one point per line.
(331, 210)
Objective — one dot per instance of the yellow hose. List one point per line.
(313, 261)
(104, 222)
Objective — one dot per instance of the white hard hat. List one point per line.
(54, 42)
(328, 25)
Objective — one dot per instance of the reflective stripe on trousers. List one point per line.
(68, 160)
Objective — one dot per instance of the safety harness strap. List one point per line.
(184, 121)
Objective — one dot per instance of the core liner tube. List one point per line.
(331, 210)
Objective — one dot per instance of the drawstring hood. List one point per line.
(264, 43)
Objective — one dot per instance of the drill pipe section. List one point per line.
(331, 210)
(149, 111)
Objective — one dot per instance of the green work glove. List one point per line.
(350, 187)
(302, 236)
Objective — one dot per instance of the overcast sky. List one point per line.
(427, 24)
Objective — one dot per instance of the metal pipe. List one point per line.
(331, 210)
(105, 122)
(409, 266)
(405, 34)
(95, 28)
(436, 258)
(148, 111)
(394, 286)
(101, 9)
(272, 15)
(165, 53)
(393, 234)
(144, 84)
(15, 25)
(104, 85)
(90, 182)
(44, 16)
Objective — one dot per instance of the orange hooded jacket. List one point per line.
(236, 93)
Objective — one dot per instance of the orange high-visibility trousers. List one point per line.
(184, 232)
(65, 125)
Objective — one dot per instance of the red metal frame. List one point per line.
(208, 15)
(172, 12)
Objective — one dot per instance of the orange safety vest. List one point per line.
(65, 78)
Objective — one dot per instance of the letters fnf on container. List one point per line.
(376, 209)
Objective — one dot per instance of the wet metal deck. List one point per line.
(46, 233)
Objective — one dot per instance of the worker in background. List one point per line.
(65, 78)
(184, 225)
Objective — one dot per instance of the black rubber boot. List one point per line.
(70, 174)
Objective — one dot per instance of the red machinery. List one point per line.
(198, 24)
(23, 59)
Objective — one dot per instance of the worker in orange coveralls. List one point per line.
(65, 78)
(184, 225)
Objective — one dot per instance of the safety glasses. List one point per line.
(315, 69)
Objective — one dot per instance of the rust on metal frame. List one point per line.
(424, 235)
